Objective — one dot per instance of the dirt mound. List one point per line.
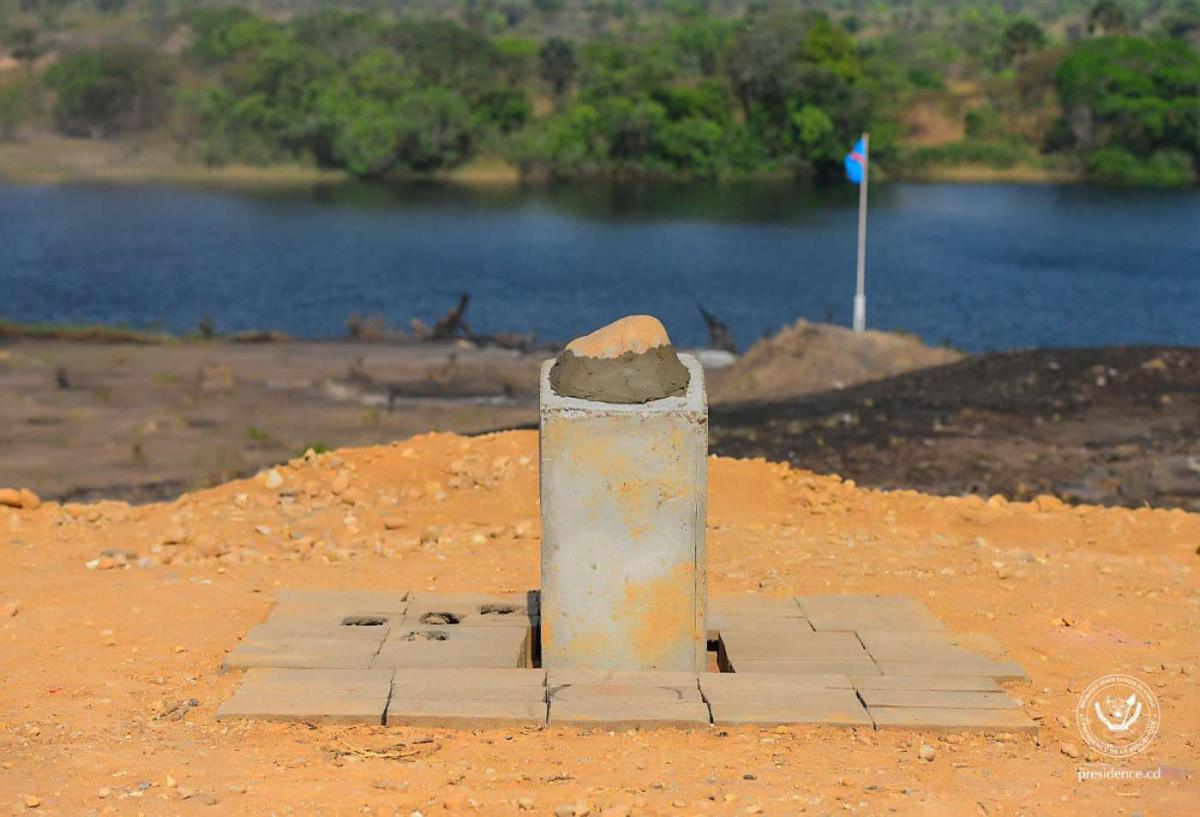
(1113, 426)
(115, 619)
(813, 357)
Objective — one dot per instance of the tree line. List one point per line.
(684, 92)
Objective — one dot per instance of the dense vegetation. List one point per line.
(571, 88)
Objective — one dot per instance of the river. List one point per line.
(979, 267)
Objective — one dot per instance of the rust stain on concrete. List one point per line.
(664, 609)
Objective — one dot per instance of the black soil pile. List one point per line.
(1117, 426)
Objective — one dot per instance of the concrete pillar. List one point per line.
(623, 489)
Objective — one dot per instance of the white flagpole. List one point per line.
(860, 294)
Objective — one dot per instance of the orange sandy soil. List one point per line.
(98, 663)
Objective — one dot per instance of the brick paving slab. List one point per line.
(508, 652)
(792, 644)
(557, 677)
(936, 699)
(800, 666)
(457, 684)
(628, 714)
(930, 653)
(732, 706)
(343, 601)
(324, 710)
(753, 624)
(457, 676)
(528, 600)
(786, 660)
(475, 609)
(718, 623)
(867, 612)
(472, 714)
(770, 681)
(755, 606)
(345, 683)
(665, 695)
(952, 720)
(892, 639)
(303, 653)
(951, 683)
(976, 665)
(330, 626)
(408, 631)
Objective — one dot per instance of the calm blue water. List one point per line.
(981, 267)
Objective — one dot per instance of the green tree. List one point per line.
(1107, 16)
(24, 43)
(797, 74)
(221, 33)
(15, 107)
(109, 90)
(557, 65)
(1021, 38)
(1139, 96)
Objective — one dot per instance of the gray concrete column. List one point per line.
(623, 491)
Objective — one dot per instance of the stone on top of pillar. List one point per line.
(628, 361)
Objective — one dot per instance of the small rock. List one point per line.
(341, 482)
(1069, 749)
(32, 801)
(393, 522)
(616, 811)
(928, 753)
(29, 500)
(273, 480)
(10, 609)
(526, 804)
(104, 792)
(10, 497)
(565, 810)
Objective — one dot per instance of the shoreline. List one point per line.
(61, 161)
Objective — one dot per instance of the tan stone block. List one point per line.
(716, 682)
(667, 695)
(474, 609)
(950, 683)
(867, 612)
(793, 666)
(768, 707)
(974, 665)
(885, 641)
(628, 714)
(936, 699)
(790, 645)
(343, 683)
(668, 678)
(725, 622)
(347, 602)
(506, 650)
(311, 707)
(321, 626)
(303, 653)
(468, 714)
(952, 720)
(495, 684)
(753, 606)
(928, 651)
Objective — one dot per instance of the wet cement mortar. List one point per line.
(633, 377)
(111, 672)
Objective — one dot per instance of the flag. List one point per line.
(856, 162)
